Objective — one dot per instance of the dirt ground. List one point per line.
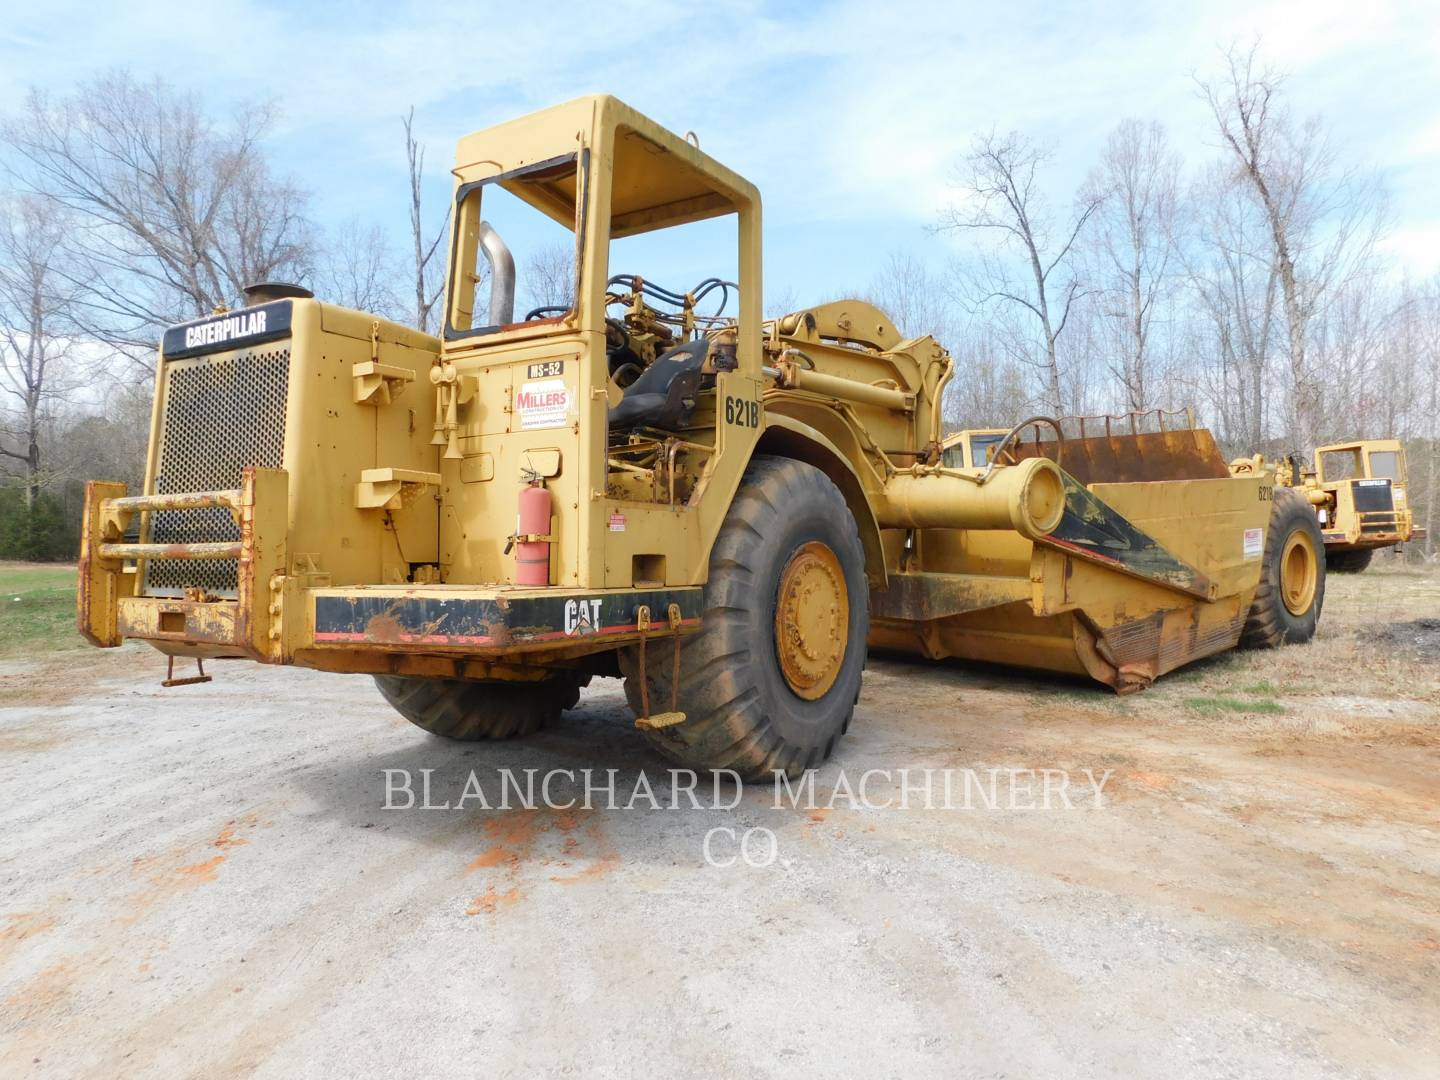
(204, 880)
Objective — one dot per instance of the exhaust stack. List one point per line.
(502, 275)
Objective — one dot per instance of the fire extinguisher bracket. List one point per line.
(527, 538)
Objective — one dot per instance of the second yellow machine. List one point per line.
(626, 480)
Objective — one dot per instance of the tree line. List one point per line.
(1251, 285)
(125, 208)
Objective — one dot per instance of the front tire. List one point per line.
(769, 682)
(1286, 608)
(468, 710)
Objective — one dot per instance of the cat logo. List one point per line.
(582, 617)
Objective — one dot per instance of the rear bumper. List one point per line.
(1339, 541)
(494, 621)
(280, 618)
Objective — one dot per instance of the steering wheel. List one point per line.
(1005, 448)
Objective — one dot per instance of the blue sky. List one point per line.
(847, 115)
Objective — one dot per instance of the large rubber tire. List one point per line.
(1271, 622)
(1348, 562)
(468, 710)
(741, 711)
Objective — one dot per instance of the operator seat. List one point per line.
(664, 394)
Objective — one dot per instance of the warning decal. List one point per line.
(543, 403)
(1254, 543)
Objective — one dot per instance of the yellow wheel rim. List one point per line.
(1298, 572)
(812, 620)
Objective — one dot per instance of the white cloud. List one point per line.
(846, 113)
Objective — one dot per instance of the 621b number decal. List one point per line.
(742, 413)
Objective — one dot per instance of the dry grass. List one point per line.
(1370, 673)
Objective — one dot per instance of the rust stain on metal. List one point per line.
(1140, 458)
(193, 500)
(384, 628)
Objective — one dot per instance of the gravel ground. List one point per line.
(204, 881)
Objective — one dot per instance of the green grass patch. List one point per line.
(1220, 706)
(37, 609)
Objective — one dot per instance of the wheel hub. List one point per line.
(1298, 571)
(812, 620)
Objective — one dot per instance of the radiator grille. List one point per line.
(222, 413)
(1372, 495)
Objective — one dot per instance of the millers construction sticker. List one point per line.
(542, 403)
(1254, 543)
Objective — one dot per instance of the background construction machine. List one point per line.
(1358, 490)
(971, 448)
(725, 511)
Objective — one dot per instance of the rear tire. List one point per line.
(1348, 562)
(467, 710)
(752, 702)
(1287, 603)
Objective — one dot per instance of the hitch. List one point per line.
(170, 679)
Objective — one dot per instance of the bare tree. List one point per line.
(429, 271)
(1135, 189)
(998, 187)
(912, 296)
(989, 390)
(173, 214)
(1235, 283)
(1424, 309)
(548, 276)
(1363, 351)
(34, 337)
(781, 302)
(359, 271)
(1322, 221)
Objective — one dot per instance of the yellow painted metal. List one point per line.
(1028, 497)
(793, 377)
(1299, 572)
(392, 489)
(102, 580)
(379, 384)
(812, 619)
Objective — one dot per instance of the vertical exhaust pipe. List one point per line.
(502, 275)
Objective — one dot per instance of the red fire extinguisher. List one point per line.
(532, 556)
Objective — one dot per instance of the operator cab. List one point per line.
(663, 345)
(972, 448)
